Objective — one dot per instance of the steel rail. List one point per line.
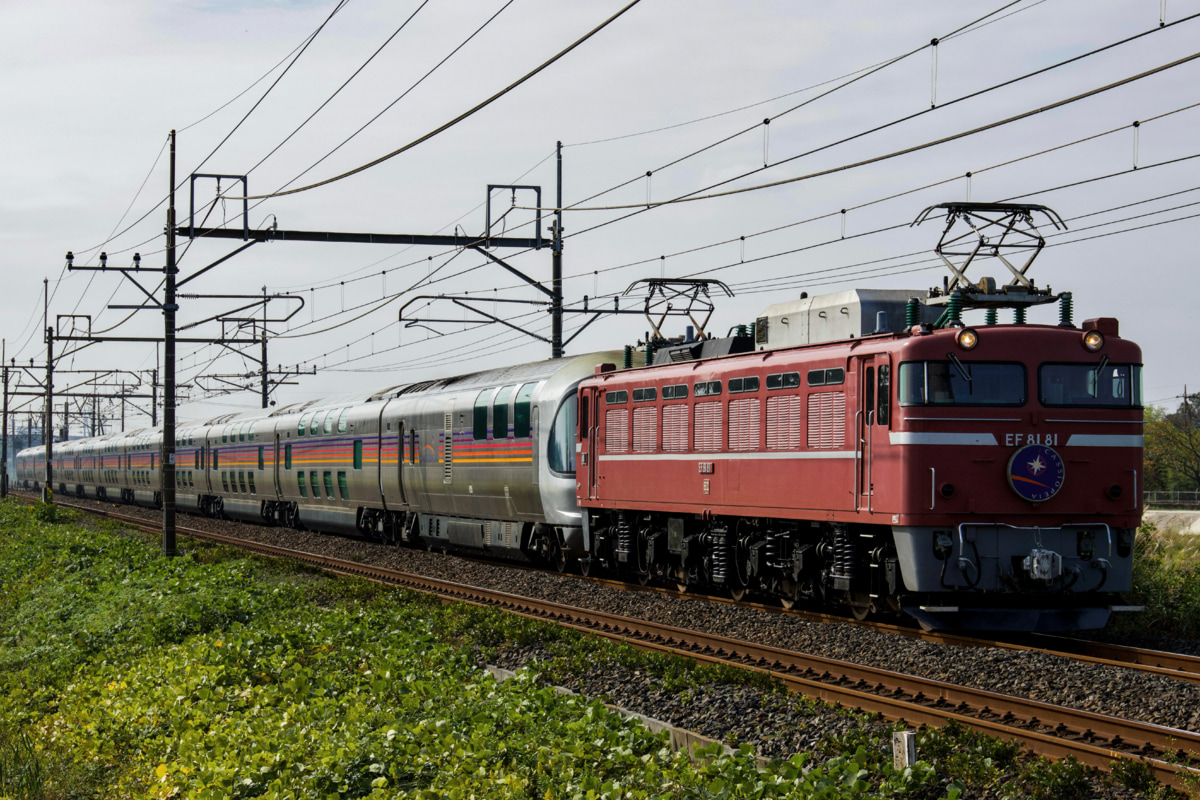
(1046, 729)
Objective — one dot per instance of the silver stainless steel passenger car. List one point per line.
(484, 461)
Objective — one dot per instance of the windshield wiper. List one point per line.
(958, 365)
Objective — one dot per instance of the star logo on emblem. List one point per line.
(1036, 466)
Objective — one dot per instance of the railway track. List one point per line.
(1044, 728)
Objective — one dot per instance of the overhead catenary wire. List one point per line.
(338, 90)
(451, 123)
(695, 195)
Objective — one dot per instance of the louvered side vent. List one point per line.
(616, 430)
(745, 424)
(707, 435)
(784, 423)
(448, 450)
(827, 421)
(645, 429)
(675, 428)
(487, 532)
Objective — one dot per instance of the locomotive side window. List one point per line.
(785, 380)
(707, 388)
(738, 385)
(883, 412)
(560, 450)
(645, 395)
(521, 411)
(869, 394)
(677, 392)
(613, 398)
(1090, 385)
(826, 377)
(481, 407)
(961, 383)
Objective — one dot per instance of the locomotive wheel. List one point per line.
(642, 578)
(787, 602)
(585, 566)
(860, 605)
(737, 593)
(681, 585)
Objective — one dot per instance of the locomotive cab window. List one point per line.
(961, 383)
(1099, 385)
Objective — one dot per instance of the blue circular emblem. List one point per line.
(1036, 473)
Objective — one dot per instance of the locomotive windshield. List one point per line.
(961, 383)
(561, 448)
(1091, 385)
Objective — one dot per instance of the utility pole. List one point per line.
(265, 369)
(556, 305)
(154, 396)
(168, 434)
(47, 488)
(4, 442)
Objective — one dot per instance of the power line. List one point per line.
(693, 196)
(466, 114)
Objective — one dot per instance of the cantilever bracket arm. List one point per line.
(514, 271)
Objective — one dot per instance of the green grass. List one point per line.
(221, 675)
(1166, 580)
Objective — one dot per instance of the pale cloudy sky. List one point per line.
(89, 92)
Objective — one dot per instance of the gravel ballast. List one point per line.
(1116, 691)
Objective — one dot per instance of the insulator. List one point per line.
(1065, 310)
(650, 348)
(1019, 315)
(954, 309)
(990, 317)
(912, 312)
(628, 356)
(741, 330)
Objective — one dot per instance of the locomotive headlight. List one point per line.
(1093, 341)
(967, 339)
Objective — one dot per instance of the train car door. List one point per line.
(871, 424)
(403, 447)
(864, 420)
(586, 467)
(275, 466)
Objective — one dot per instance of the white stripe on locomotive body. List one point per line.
(756, 456)
(1106, 440)
(911, 437)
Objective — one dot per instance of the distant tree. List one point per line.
(1173, 446)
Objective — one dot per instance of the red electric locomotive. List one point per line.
(970, 477)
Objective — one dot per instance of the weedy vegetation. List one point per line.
(222, 675)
